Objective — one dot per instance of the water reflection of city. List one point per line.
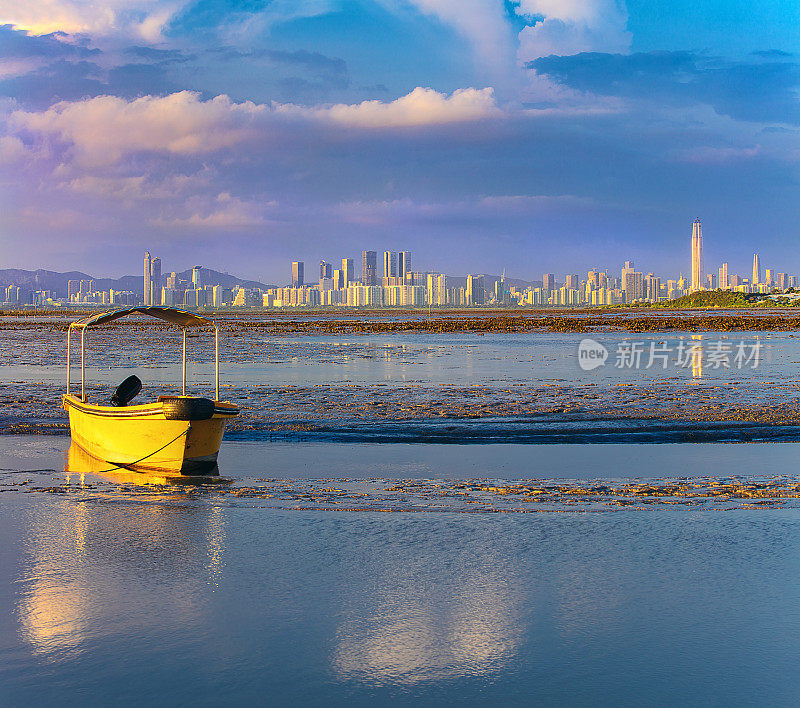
(94, 567)
(414, 628)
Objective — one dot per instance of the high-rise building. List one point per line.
(652, 287)
(475, 290)
(197, 277)
(389, 264)
(768, 275)
(155, 281)
(756, 270)
(722, 277)
(437, 289)
(633, 285)
(548, 282)
(369, 267)
(572, 282)
(338, 279)
(325, 270)
(297, 274)
(627, 268)
(348, 274)
(697, 255)
(403, 263)
(147, 288)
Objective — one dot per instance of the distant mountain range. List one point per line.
(57, 282)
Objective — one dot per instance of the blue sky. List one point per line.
(531, 135)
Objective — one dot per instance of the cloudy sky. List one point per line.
(531, 135)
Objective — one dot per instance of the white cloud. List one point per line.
(483, 23)
(100, 131)
(717, 155)
(489, 208)
(223, 212)
(12, 150)
(145, 19)
(573, 26)
(134, 188)
(423, 106)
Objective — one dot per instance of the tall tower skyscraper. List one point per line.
(155, 281)
(627, 268)
(369, 267)
(722, 278)
(756, 270)
(197, 277)
(697, 255)
(297, 274)
(403, 264)
(147, 288)
(389, 264)
(348, 275)
(325, 270)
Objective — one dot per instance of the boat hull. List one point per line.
(144, 438)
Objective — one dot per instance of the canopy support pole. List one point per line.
(83, 365)
(69, 356)
(216, 359)
(184, 360)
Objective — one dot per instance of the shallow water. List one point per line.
(128, 593)
(346, 563)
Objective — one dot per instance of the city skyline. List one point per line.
(399, 264)
(539, 136)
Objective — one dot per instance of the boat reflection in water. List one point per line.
(96, 565)
(81, 463)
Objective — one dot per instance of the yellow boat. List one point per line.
(175, 435)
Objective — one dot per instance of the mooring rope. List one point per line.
(142, 459)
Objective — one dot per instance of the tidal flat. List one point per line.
(412, 516)
(305, 377)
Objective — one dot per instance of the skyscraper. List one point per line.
(389, 264)
(475, 290)
(297, 274)
(403, 263)
(155, 281)
(147, 288)
(437, 289)
(697, 255)
(722, 277)
(627, 268)
(325, 270)
(197, 277)
(549, 281)
(756, 270)
(369, 267)
(348, 275)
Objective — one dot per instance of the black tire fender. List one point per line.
(188, 408)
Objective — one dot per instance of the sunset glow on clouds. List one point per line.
(477, 133)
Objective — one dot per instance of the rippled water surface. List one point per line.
(366, 545)
(651, 575)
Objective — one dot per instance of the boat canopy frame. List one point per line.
(181, 318)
